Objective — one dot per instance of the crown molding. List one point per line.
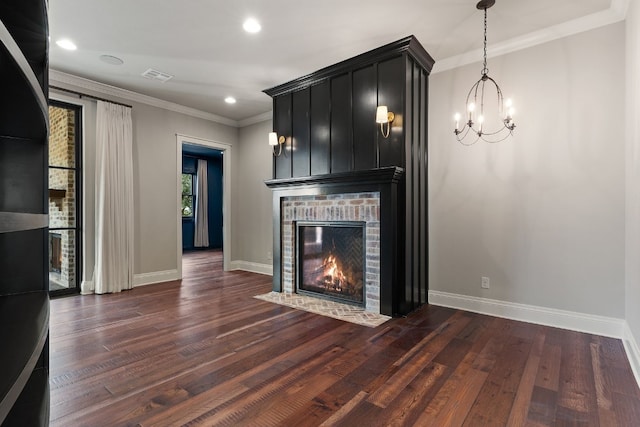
(59, 77)
(256, 119)
(617, 12)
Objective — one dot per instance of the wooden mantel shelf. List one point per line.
(370, 176)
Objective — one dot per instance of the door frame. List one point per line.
(78, 111)
(226, 195)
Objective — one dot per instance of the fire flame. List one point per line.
(337, 277)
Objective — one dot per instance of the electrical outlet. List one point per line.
(485, 283)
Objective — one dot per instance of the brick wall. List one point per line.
(62, 210)
(335, 207)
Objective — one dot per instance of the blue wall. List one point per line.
(214, 158)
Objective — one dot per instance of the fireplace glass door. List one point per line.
(331, 260)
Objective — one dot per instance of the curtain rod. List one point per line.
(80, 95)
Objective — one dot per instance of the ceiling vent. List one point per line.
(156, 75)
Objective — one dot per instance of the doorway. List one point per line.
(193, 149)
(197, 159)
(65, 213)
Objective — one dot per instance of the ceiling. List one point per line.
(202, 43)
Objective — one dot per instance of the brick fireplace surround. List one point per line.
(334, 207)
(370, 196)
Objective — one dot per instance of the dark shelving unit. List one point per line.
(24, 194)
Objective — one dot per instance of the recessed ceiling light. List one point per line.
(110, 59)
(66, 44)
(251, 26)
(230, 100)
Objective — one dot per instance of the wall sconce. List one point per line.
(383, 115)
(273, 141)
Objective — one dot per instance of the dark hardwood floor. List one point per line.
(204, 352)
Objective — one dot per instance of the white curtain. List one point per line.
(113, 270)
(201, 238)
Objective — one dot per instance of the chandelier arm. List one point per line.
(465, 133)
(500, 96)
(499, 140)
(482, 97)
(497, 132)
(461, 141)
(474, 87)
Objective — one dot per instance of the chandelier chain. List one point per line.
(485, 70)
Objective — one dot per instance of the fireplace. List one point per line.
(361, 203)
(331, 260)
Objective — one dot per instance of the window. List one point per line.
(65, 204)
(188, 195)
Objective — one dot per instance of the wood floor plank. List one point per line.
(520, 408)
(503, 381)
(577, 394)
(203, 351)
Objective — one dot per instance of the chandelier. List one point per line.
(474, 125)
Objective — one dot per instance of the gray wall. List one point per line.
(541, 214)
(251, 204)
(633, 171)
(154, 171)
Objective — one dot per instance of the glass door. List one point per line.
(64, 198)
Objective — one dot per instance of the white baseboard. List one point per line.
(252, 267)
(633, 351)
(592, 324)
(144, 279)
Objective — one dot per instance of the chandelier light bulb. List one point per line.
(508, 103)
(471, 107)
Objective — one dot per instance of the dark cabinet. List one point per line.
(24, 297)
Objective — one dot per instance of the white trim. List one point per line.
(226, 196)
(617, 12)
(256, 119)
(141, 279)
(144, 279)
(252, 267)
(581, 322)
(633, 351)
(57, 78)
